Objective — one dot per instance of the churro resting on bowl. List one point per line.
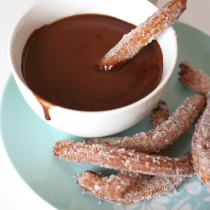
(132, 42)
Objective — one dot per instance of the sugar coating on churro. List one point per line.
(164, 135)
(139, 37)
(121, 183)
(118, 185)
(107, 188)
(93, 183)
(121, 159)
(159, 114)
(201, 146)
(194, 79)
(154, 187)
(197, 80)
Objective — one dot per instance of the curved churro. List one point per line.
(126, 160)
(164, 135)
(118, 185)
(131, 43)
(95, 184)
(121, 183)
(196, 80)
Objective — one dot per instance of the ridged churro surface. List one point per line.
(95, 184)
(194, 79)
(197, 80)
(120, 184)
(126, 160)
(164, 135)
(132, 42)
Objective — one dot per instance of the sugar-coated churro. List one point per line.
(159, 114)
(131, 43)
(164, 135)
(153, 188)
(120, 188)
(201, 146)
(120, 184)
(194, 79)
(126, 160)
(198, 81)
(95, 184)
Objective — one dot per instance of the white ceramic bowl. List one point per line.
(84, 123)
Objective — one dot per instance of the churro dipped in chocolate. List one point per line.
(198, 81)
(132, 42)
(164, 135)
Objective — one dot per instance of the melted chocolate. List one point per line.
(58, 64)
(45, 106)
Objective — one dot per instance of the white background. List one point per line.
(14, 193)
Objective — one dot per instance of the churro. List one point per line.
(153, 188)
(121, 159)
(194, 79)
(122, 188)
(201, 146)
(137, 187)
(164, 135)
(131, 43)
(159, 114)
(198, 81)
(120, 184)
(95, 184)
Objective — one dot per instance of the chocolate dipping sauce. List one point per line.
(58, 64)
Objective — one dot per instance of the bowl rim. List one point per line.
(120, 109)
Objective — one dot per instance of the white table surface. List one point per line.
(14, 193)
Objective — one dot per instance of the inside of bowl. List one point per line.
(47, 11)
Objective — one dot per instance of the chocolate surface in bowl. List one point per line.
(58, 64)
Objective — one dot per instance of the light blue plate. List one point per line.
(29, 142)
